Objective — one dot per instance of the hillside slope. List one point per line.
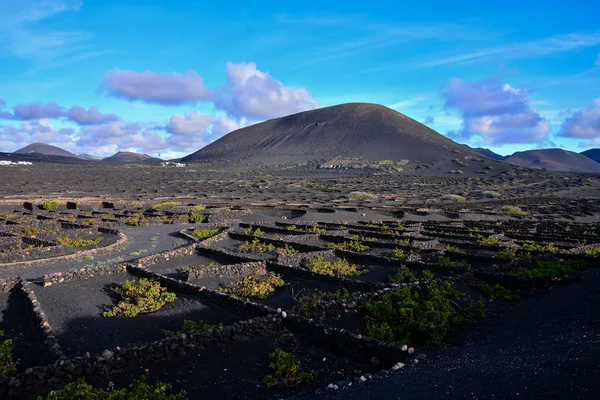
(554, 160)
(352, 130)
(46, 149)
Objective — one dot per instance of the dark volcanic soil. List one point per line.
(16, 320)
(235, 371)
(75, 309)
(547, 346)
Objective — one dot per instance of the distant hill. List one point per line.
(486, 152)
(554, 160)
(46, 149)
(130, 157)
(89, 157)
(593, 154)
(42, 158)
(353, 130)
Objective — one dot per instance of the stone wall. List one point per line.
(232, 270)
(182, 251)
(50, 340)
(119, 244)
(83, 273)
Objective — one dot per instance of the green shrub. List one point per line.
(212, 264)
(195, 218)
(90, 222)
(27, 231)
(362, 196)
(543, 248)
(286, 250)
(454, 197)
(164, 204)
(196, 208)
(167, 220)
(140, 297)
(406, 315)
(253, 232)
(256, 286)
(447, 262)
(512, 253)
(452, 249)
(404, 275)
(402, 242)
(329, 187)
(49, 205)
(311, 229)
(8, 367)
(400, 254)
(138, 390)
(496, 292)
(132, 221)
(513, 211)
(333, 268)
(552, 269)
(256, 247)
(189, 325)
(352, 245)
(308, 304)
(78, 242)
(592, 252)
(287, 371)
(205, 233)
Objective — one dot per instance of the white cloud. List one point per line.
(584, 123)
(493, 112)
(191, 123)
(254, 94)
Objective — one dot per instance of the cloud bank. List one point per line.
(496, 113)
(151, 87)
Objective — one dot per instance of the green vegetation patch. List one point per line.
(309, 304)
(256, 246)
(256, 286)
(338, 267)
(592, 252)
(49, 205)
(8, 367)
(254, 232)
(512, 253)
(496, 292)
(212, 264)
(140, 297)
(419, 316)
(447, 262)
(400, 254)
(287, 371)
(164, 204)
(552, 269)
(405, 275)
(351, 245)
(543, 248)
(205, 233)
(189, 325)
(78, 242)
(138, 390)
(286, 250)
(362, 196)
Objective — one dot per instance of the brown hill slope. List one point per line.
(46, 149)
(554, 160)
(371, 131)
(129, 157)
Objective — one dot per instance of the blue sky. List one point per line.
(168, 77)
